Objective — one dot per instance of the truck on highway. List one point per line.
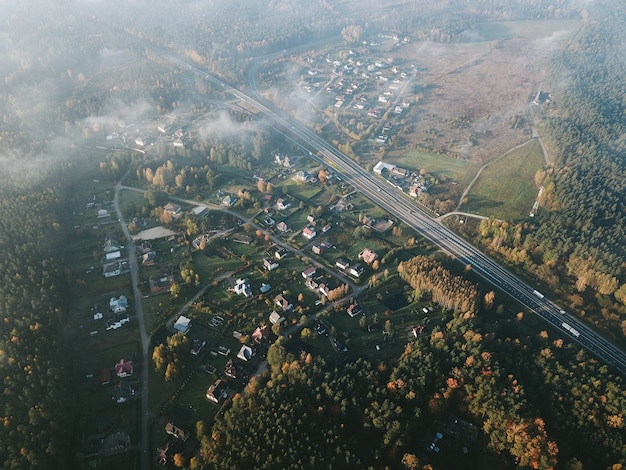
(571, 329)
(538, 294)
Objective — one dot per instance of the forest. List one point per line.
(35, 408)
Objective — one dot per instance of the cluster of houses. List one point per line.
(112, 262)
(410, 182)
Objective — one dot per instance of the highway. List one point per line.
(395, 202)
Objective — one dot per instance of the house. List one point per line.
(281, 253)
(269, 264)
(161, 284)
(282, 227)
(102, 214)
(309, 233)
(111, 243)
(200, 211)
(113, 256)
(122, 392)
(183, 324)
(417, 330)
(229, 201)
(246, 353)
(177, 432)
(311, 284)
(217, 391)
(318, 249)
(324, 289)
(276, 318)
(197, 347)
(354, 309)
(112, 269)
(357, 270)
(242, 287)
(368, 256)
(382, 166)
(282, 204)
(178, 143)
(311, 219)
(282, 160)
(309, 272)
(260, 334)
(241, 238)
(282, 303)
(174, 210)
(166, 452)
(119, 305)
(124, 368)
(342, 263)
(230, 370)
(148, 259)
(326, 228)
(301, 176)
(264, 288)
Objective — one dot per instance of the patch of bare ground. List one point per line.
(474, 102)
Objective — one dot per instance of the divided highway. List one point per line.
(395, 202)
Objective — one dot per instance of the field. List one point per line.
(506, 189)
(458, 170)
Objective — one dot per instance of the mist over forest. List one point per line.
(84, 81)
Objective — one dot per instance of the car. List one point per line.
(433, 447)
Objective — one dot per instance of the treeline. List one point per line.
(428, 277)
(35, 420)
(587, 221)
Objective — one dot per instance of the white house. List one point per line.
(183, 324)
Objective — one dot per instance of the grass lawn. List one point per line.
(303, 191)
(460, 171)
(129, 201)
(506, 188)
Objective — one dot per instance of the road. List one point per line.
(144, 456)
(397, 204)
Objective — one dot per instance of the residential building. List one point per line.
(176, 431)
(217, 391)
(246, 353)
(309, 272)
(283, 303)
(183, 324)
(368, 256)
(309, 233)
(269, 264)
(124, 368)
(342, 263)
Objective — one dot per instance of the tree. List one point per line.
(179, 460)
(351, 33)
(175, 289)
(410, 461)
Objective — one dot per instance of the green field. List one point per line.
(506, 189)
(460, 171)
